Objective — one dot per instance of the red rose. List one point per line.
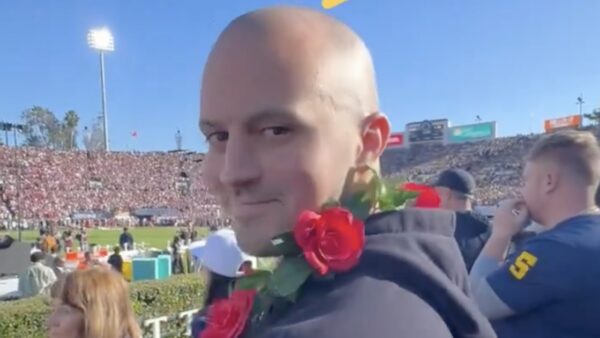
(227, 318)
(428, 197)
(330, 241)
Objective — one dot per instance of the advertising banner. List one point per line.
(396, 140)
(471, 132)
(567, 122)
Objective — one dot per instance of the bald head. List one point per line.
(289, 110)
(309, 47)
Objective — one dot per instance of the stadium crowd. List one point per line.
(52, 185)
(496, 164)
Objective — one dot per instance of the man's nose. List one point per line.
(241, 165)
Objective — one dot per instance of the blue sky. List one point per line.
(513, 61)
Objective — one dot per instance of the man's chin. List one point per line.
(254, 243)
(251, 243)
(257, 248)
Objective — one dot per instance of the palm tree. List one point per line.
(70, 122)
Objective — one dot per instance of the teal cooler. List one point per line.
(145, 269)
(164, 266)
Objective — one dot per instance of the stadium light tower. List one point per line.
(102, 40)
(580, 102)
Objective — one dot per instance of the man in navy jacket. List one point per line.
(290, 112)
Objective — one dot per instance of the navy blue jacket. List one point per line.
(472, 232)
(411, 282)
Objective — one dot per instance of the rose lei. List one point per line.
(227, 318)
(329, 241)
(332, 240)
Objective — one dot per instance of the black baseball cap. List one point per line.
(456, 180)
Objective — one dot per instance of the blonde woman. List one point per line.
(92, 303)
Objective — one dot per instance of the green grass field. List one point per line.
(156, 237)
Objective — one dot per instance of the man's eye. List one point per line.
(276, 131)
(219, 136)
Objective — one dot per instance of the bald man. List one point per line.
(290, 112)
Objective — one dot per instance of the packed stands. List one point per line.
(54, 184)
(496, 164)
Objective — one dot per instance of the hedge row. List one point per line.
(151, 299)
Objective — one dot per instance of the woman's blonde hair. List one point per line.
(103, 297)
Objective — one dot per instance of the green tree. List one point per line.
(42, 128)
(69, 127)
(594, 117)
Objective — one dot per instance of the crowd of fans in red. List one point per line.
(52, 185)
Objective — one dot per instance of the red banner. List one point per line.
(573, 121)
(396, 140)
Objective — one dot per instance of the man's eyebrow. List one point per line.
(255, 118)
(270, 114)
(206, 124)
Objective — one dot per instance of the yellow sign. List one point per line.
(329, 4)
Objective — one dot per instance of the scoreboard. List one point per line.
(428, 131)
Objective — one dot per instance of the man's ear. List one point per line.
(551, 180)
(374, 138)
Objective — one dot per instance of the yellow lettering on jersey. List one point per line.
(522, 265)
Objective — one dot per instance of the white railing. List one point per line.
(155, 323)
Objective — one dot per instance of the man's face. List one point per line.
(445, 197)
(275, 147)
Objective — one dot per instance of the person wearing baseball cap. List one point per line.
(455, 188)
(221, 254)
(221, 261)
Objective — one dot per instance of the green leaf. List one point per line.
(289, 277)
(285, 245)
(404, 196)
(370, 194)
(255, 281)
(357, 206)
(386, 202)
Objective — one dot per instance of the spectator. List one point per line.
(126, 240)
(59, 267)
(193, 234)
(222, 261)
(35, 247)
(88, 261)
(115, 260)
(177, 263)
(68, 240)
(316, 140)
(49, 243)
(455, 188)
(50, 258)
(37, 279)
(92, 303)
(549, 288)
(81, 238)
